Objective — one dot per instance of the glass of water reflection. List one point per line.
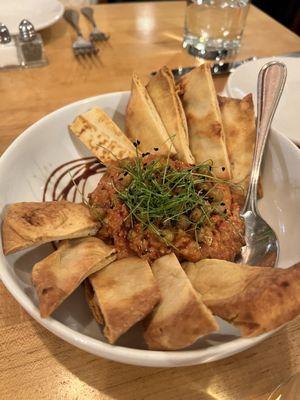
(214, 28)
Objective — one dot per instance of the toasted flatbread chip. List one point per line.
(125, 293)
(181, 317)
(162, 91)
(206, 133)
(255, 299)
(143, 122)
(92, 302)
(239, 125)
(102, 136)
(59, 274)
(29, 224)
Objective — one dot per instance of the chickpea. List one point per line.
(205, 236)
(184, 222)
(206, 186)
(196, 215)
(216, 194)
(168, 235)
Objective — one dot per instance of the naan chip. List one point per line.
(101, 136)
(206, 133)
(239, 125)
(125, 292)
(255, 299)
(143, 122)
(59, 274)
(181, 317)
(28, 224)
(162, 91)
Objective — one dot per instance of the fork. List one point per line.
(96, 34)
(81, 46)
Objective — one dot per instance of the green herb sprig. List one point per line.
(159, 195)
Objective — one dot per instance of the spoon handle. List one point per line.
(270, 84)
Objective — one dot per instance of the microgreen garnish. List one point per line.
(160, 195)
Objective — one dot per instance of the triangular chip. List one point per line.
(102, 136)
(181, 317)
(28, 224)
(162, 91)
(206, 133)
(143, 122)
(125, 293)
(59, 274)
(255, 299)
(239, 125)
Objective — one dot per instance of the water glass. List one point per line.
(213, 28)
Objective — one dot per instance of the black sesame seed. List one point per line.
(144, 154)
(138, 142)
(222, 203)
(210, 168)
(223, 168)
(125, 173)
(155, 148)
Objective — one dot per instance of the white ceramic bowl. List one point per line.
(23, 170)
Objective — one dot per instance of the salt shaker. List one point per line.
(30, 45)
(8, 51)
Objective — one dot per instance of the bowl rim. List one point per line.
(95, 346)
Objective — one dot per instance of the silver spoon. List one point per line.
(262, 247)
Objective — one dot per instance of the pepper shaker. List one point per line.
(30, 45)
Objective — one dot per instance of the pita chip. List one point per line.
(181, 317)
(28, 224)
(143, 122)
(102, 136)
(122, 294)
(255, 299)
(59, 274)
(162, 91)
(239, 125)
(206, 133)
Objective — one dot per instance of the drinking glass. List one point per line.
(213, 28)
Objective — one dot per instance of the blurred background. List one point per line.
(286, 12)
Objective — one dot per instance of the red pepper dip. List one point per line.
(154, 205)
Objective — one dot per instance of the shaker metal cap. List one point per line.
(4, 34)
(26, 31)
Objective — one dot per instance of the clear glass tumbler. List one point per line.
(213, 28)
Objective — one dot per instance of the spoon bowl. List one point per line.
(262, 246)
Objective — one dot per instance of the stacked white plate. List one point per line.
(287, 118)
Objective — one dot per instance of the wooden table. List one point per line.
(34, 364)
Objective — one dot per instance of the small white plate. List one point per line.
(41, 13)
(287, 118)
(24, 168)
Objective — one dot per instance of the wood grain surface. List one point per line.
(34, 364)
